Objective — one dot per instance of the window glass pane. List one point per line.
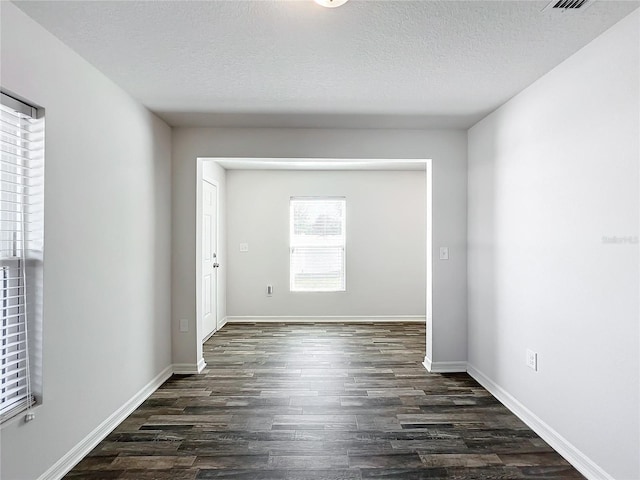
(317, 218)
(318, 269)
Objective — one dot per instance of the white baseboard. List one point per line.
(209, 336)
(565, 448)
(444, 367)
(201, 365)
(220, 324)
(77, 453)
(189, 368)
(328, 319)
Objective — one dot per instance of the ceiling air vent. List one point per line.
(568, 5)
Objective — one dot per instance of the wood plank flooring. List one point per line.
(321, 402)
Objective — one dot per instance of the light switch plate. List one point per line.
(532, 360)
(184, 325)
(244, 247)
(444, 253)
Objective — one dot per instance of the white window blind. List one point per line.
(317, 244)
(21, 175)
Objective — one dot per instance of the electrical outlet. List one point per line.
(184, 325)
(532, 360)
(244, 247)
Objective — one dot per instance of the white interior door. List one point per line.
(209, 257)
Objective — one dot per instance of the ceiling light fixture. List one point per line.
(331, 3)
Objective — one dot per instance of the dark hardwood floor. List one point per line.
(321, 401)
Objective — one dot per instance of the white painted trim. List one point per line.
(209, 336)
(201, 365)
(571, 453)
(88, 443)
(427, 364)
(189, 368)
(220, 324)
(312, 163)
(429, 260)
(444, 367)
(328, 319)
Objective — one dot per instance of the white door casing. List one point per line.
(209, 258)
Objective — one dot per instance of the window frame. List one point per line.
(342, 245)
(22, 162)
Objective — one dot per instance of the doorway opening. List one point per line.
(216, 167)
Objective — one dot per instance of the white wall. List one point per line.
(551, 173)
(385, 250)
(447, 148)
(107, 244)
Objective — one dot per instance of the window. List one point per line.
(21, 246)
(317, 244)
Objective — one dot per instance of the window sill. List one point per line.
(18, 418)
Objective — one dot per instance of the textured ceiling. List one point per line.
(390, 64)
